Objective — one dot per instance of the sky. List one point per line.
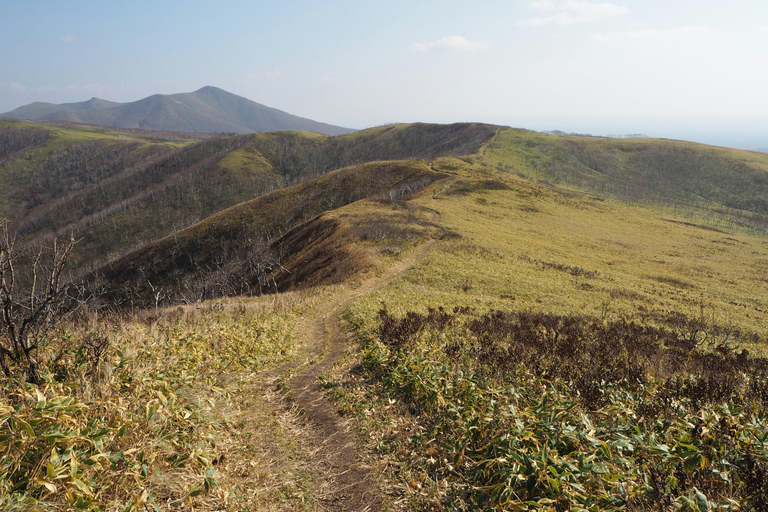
(683, 69)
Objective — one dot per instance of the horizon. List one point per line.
(692, 71)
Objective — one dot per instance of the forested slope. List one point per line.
(251, 248)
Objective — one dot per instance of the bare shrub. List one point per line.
(31, 304)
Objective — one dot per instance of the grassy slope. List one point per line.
(120, 190)
(504, 244)
(167, 401)
(218, 255)
(717, 186)
(525, 246)
(457, 434)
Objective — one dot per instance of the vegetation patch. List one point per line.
(518, 410)
(673, 281)
(463, 187)
(133, 412)
(574, 271)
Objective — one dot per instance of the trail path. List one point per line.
(342, 481)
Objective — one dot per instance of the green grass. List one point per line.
(725, 187)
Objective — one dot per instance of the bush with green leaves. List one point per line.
(524, 411)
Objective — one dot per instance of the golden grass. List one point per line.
(530, 247)
(520, 247)
(170, 417)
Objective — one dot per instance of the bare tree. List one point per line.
(158, 293)
(263, 261)
(31, 304)
(702, 331)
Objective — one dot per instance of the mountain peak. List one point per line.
(211, 88)
(209, 109)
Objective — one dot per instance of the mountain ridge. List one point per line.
(207, 110)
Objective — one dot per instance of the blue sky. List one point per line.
(695, 70)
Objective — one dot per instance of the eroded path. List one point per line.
(342, 481)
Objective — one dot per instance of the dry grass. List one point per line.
(531, 247)
(173, 416)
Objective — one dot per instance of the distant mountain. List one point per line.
(207, 110)
(45, 111)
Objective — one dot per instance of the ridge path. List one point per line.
(342, 481)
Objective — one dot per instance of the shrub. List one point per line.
(523, 410)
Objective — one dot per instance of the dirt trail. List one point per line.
(342, 481)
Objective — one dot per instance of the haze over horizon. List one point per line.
(689, 70)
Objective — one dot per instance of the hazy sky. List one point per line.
(688, 69)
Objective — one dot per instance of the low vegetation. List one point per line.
(139, 412)
(566, 352)
(520, 410)
(717, 187)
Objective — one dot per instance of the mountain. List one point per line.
(41, 110)
(207, 110)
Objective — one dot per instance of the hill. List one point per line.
(269, 244)
(120, 190)
(513, 344)
(721, 187)
(41, 110)
(207, 110)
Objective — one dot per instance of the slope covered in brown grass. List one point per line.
(261, 245)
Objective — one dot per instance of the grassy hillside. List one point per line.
(526, 246)
(565, 351)
(719, 187)
(549, 350)
(120, 190)
(251, 249)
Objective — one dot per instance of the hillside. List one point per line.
(119, 191)
(269, 244)
(513, 346)
(207, 110)
(719, 187)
